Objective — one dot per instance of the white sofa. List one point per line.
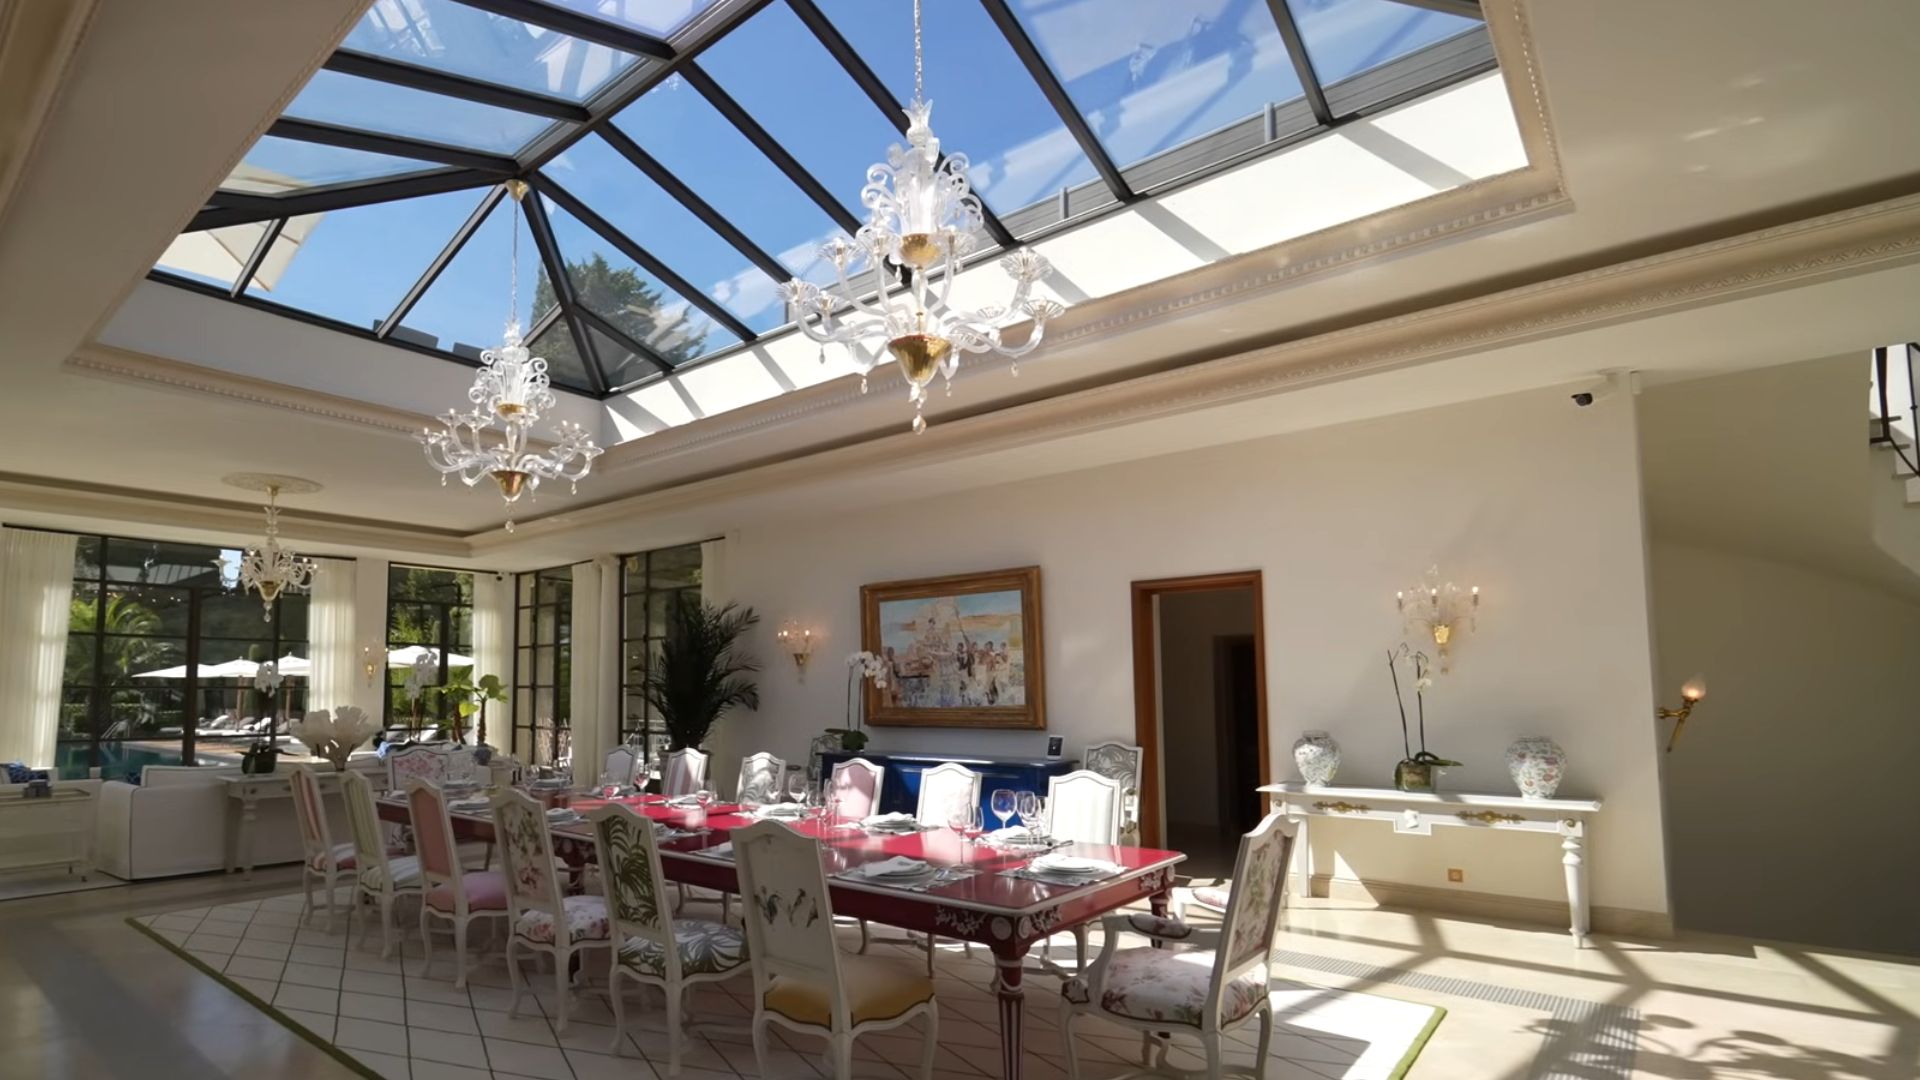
(175, 822)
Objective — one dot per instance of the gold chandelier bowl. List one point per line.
(919, 250)
(920, 356)
(512, 482)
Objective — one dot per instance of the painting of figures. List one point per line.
(961, 651)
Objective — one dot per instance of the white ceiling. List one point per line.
(1674, 123)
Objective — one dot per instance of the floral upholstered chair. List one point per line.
(1084, 807)
(453, 894)
(1209, 982)
(545, 919)
(325, 862)
(801, 979)
(683, 772)
(1121, 763)
(650, 946)
(417, 762)
(759, 779)
(381, 878)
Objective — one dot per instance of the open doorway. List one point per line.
(1200, 708)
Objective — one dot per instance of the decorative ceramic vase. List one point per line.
(1537, 764)
(1318, 757)
(1411, 775)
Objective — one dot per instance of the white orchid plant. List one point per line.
(267, 680)
(423, 674)
(1422, 682)
(873, 668)
(334, 736)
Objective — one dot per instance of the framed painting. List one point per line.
(961, 651)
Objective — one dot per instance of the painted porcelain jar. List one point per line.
(1318, 757)
(1537, 764)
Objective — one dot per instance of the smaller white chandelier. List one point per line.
(270, 569)
(921, 215)
(509, 395)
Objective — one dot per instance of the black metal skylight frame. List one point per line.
(452, 169)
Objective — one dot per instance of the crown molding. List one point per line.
(1856, 241)
(37, 45)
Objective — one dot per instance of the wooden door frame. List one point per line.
(1146, 681)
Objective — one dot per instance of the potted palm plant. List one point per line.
(701, 672)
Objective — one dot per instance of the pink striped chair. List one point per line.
(325, 862)
(856, 784)
(453, 893)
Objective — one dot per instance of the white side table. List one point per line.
(1415, 813)
(244, 793)
(57, 830)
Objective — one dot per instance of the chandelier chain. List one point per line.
(918, 90)
(513, 272)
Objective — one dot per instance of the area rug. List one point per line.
(389, 1018)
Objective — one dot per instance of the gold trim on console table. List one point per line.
(1341, 807)
(1488, 817)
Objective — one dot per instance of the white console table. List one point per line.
(54, 830)
(1415, 813)
(244, 793)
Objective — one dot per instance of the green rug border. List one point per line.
(1419, 1041)
(359, 1067)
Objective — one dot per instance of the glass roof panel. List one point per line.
(1347, 37)
(276, 166)
(675, 124)
(564, 366)
(621, 365)
(657, 17)
(350, 101)
(1020, 151)
(460, 40)
(595, 173)
(1150, 76)
(465, 309)
(620, 291)
(327, 269)
(781, 74)
(212, 256)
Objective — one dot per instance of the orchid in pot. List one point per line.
(862, 665)
(420, 679)
(264, 754)
(334, 736)
(1416, 770)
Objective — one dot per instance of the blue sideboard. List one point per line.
(900, 792)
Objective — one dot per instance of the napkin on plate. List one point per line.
(890, 821)
(781, 810)
(684, 800)
(898, 866)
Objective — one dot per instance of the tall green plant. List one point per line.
(701, 673)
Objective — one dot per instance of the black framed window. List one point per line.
(650, 584)
(542, 663)
(427, 608)
(161, 655)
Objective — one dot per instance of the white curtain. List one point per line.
(713, 571)
(726, 742)
(493, 648)
(330, 630)
(36, 601)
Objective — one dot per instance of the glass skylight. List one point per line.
(449, 37)
(685, 157)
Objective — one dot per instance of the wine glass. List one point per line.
(1004, 803)
(1029, 805)
(963, 817)
(796, 785)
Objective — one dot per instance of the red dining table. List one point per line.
(1007, 915)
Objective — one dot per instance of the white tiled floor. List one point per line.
(401, 1023)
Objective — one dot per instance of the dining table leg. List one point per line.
(1008, 961)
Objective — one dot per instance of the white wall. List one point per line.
(1533, 501)
(1790, 795)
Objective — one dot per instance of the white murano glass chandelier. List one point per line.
(511, 391)
(268, 568)
(921, 216)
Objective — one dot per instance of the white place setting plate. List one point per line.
(896, 822)
(897, 869)
(1058, 864)
(785, 811)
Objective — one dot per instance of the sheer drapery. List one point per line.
(330, 632)
(36, 608)
(726, 742)
(591, 730)
(493, 646)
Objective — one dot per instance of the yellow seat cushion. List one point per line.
(877, 989)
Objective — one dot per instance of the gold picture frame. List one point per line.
(962, 650)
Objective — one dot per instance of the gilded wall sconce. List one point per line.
(1439, 612)
(796, 641)
(1692, 692)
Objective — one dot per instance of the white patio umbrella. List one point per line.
(294, 666)
(231, 669)
(410, 655)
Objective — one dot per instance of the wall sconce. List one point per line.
(796, 641)
(370, 663)
(1691, 693)
(1438, 612)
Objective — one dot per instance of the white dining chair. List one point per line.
(683, 772)
(1083, 807)
(416, 762)
(323, 861)
(454, 895)
(760, 776)
(622, 765)
(855, 786)
(1122, 762)
(650, 946)
(378, 878)
(940, 788)
(544, 918)
(801, 979)
(1197, 982)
